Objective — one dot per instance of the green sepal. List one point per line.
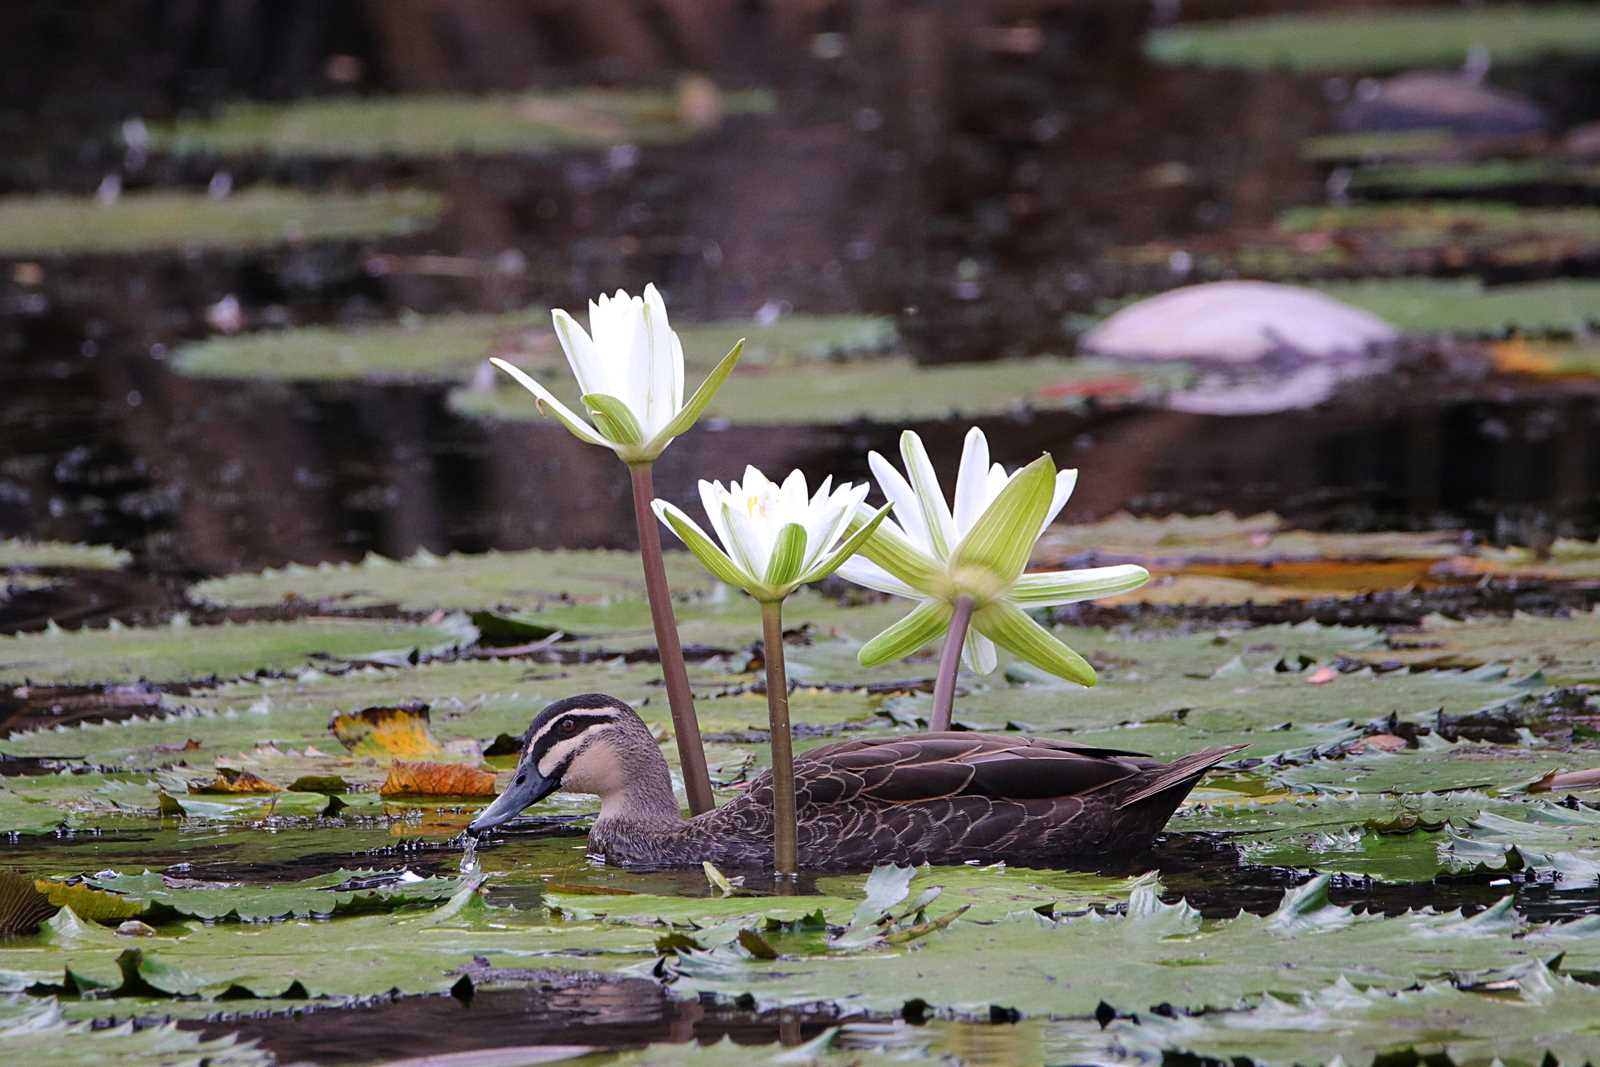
(1002, 539)
(690, 413)
(1009, 627)
(788, 556)
(898, 556)
(1052, 588)
(705, 550)
(612, 418)
(849, 546)
(926, 621)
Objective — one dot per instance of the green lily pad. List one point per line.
(179, 651)
(48, 224)
(1154, 954)
(1567, 650)
(1377, 145)
(1437, 768)
(1375, 41)
(1387, 239)
(34, 1030)
(17, 554)
(1539, 1017)
(416, 951)
(338, 892)
(889, 389)
(451, 347)
(439, 125)
(458, 581)
(1472, 176)
(1543, 837)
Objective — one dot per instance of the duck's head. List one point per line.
(591, 743)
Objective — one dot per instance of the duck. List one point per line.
(936, 798)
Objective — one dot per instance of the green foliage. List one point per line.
(1465, 306)
(49, 224)
(180, 652)
(1423, 179)
(450, 347)
(518, 580)
(33, 1030)
(1380, 40)
(17, 554)
(441, 125)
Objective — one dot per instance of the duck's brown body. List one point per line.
(929, 798)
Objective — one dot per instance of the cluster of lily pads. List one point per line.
(1410, 760)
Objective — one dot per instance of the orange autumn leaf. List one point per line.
(401, 730)
(1518, 356)
(425, 779)
(233, 780)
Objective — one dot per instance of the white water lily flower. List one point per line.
(629, 367)
(936, 554)
(774, 538)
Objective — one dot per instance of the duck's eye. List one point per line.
(567, 726)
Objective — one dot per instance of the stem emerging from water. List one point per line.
(944, 684)
(685, 727)
(784, 834)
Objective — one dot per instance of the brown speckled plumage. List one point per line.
(934, 797)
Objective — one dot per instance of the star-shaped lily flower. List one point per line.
(964, 565)
(629, 367)
(776, 538)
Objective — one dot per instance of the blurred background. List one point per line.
(254, 253)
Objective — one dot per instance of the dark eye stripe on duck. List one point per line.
(551, 734)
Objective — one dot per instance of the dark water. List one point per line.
(961, 181)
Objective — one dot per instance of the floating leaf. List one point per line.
(426, 779)
(400, 730)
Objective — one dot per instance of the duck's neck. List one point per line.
(640, 792)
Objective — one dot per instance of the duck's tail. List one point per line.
(1181, 775)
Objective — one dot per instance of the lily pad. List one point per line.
(339, 892)
(181, 652)
(452, 347)
(34, 1030)
(48, 224)
(1379, 40)
(889, 389)
(1156, 953)
(1540, 1016)
(521, 580)
(17, 554)
(1566, 650)
(438, 125)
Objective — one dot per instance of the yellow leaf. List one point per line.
(401, 730)
(437, 780)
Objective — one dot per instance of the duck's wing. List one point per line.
(945, 766)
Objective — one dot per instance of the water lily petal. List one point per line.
(749, 548)
(690, 412)
(926, 622)
(1002, 539)
(660, 403)
(972, 481)
(1052, 588)
(574, 423)
(898, 491)
(869, 575)
(930, 496)
(579, 350)
(846, 552)
(712, 497)
(978, 653)
(695, 540)
(1066, 481)
(1009, 627)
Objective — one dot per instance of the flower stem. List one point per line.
(685, 727)
(944, 684)
(784, 832)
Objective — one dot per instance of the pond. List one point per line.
(287, 571)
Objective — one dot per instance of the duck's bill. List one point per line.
(528, 787)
